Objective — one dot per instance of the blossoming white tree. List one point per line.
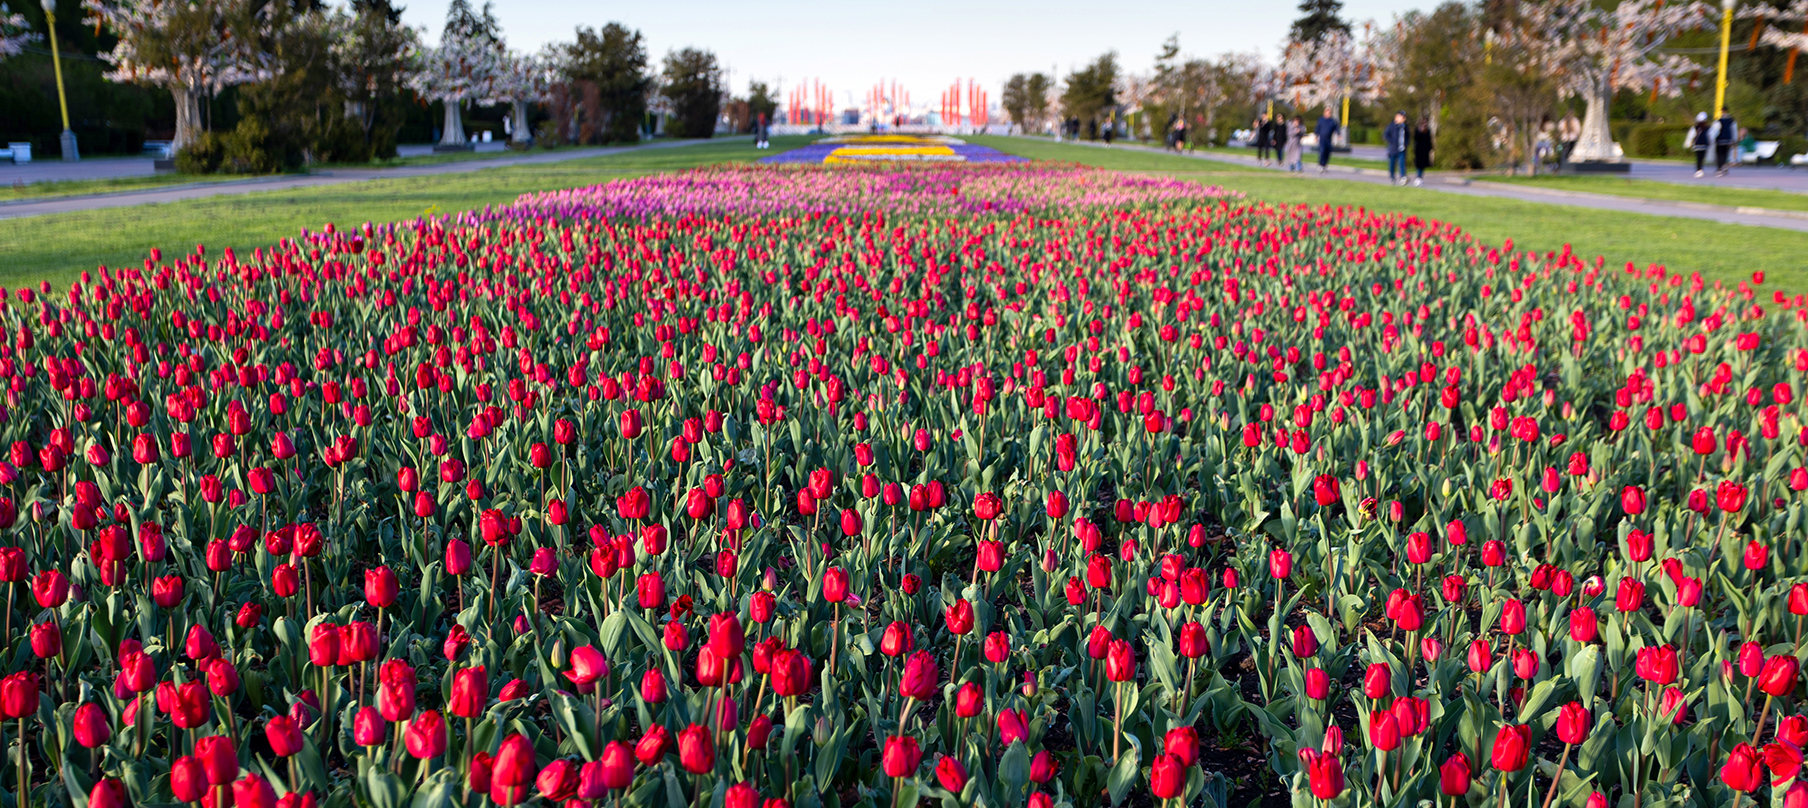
(1593, 52)
(523, 79)
(464, 66)
(1323, 71)
(13, 33)
(188, 47)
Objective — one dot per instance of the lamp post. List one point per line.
(1726, 35)
(70, 153)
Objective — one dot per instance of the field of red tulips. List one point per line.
(709, 490)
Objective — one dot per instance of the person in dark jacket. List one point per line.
(1726, 133)
(1278, 138)
(1264, 138)
(1395, 137)
(1326, 131)
(1698, 141)
(1421, 147)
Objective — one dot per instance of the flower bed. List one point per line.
(891, 148)
(821, 487)
(851, 190)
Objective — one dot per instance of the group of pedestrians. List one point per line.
(1282, 138)
(1399, 139)
(1721, 134)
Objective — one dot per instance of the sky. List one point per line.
(924, 45)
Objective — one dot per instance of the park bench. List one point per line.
(19, 153)
(1759, 152)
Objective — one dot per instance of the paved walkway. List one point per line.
(1465, 186)
(1765, 177)
(286, 182)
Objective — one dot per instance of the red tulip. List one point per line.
(1779, 675)
(1454, 775)
(284, 736)
(1511, 745)
(218, 759)
(950, 774)
(1743, 771)
(834, 585)
(1324, 773)
(557, 781)
(901, 756)
(1167, 777)
(512, 769)
(920, 677)
(696, 749)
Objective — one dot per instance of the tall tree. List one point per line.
(1320, 72)
(464, 66)
(390, 12)
(1016, 99)
(1317, 18)
(373, 56)
(615, 61)
(468, 22)
(1593, 53)
(1092, 90)
(1433, 55)
(693, 85)
(1036, 90)
(188, 48)
(286, 120)
(521, 79)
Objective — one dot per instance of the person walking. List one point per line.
(1278, 138)
(1326, 131)
(1395, 137)
(1725, 134)
(1697, 140)
(1296, 131)
(1264, 138)
(1421, 146)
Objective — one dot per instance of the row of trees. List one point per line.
(315, 83)
(1488, 76)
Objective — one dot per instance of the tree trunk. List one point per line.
(521, 133)
(1597, 139)
(453, 133)
(188, 117)
(354, 110)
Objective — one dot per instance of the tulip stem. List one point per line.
(1117, 721)
(1557, 778)
(954, 664)
(1503, 790)
(24, 778)
(1762, 715)
(834, 638)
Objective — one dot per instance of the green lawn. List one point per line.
(1648, 189)
(1717, 251)
(58, 247)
